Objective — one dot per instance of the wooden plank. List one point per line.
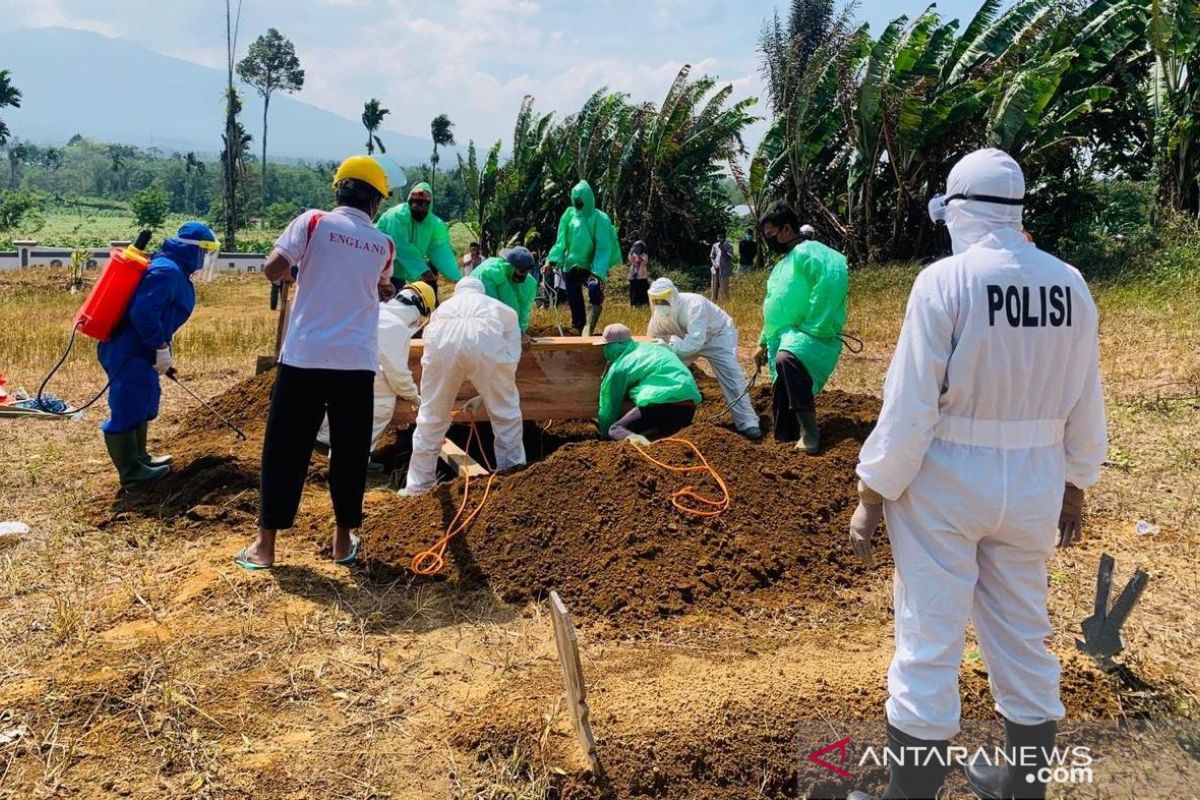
(558, 378)
(567, 644)
(458, 458)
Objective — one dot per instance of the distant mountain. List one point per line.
(116, 90)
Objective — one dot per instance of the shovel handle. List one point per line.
(281, 325)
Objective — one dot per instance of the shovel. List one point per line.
(279, 299)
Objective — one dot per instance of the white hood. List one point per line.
(991, 173)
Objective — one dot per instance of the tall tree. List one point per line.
(233, 129)
(442, 132)
(10, 96)
(271, 65)
(372, 118)
(17, 154)
(192, 166)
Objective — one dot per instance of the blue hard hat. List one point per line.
(196, 232)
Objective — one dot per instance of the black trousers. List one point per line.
(299, 402)
(666, 419)
(577, 280)
(639, 292)
(793, 393)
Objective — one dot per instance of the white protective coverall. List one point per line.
(991, 405)
(470, 337)
(695, 327)
(393, 379)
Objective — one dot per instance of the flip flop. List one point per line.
(243, 561)
(349, 560)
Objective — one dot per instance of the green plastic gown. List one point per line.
(649, 374)
(419, 244)
(585, 238)
(805, 309)
(496, 274)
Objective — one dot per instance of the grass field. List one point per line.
(139, 663)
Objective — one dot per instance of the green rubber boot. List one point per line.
(143, 455)
(123, 450)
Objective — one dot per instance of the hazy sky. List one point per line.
(471, 59)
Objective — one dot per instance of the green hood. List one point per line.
(614, 350)
(423, 187)
(583, 191)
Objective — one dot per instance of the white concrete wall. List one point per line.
(31, 254)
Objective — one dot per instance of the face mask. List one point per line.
(777, 246)
(579, 205)
(938, 207)
(661, 311)
(518, 277)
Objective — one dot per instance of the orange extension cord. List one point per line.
(716, 506)
(432, 561)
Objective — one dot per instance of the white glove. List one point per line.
(865, 522)
(638, 439)
(674, 342)
(163, 361)
(474, 406)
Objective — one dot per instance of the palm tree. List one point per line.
(9, 96)
(372, 118)
(442, 133)
(191, 165)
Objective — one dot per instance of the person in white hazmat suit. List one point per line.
(470, 337)
(399, 320)
(991, 428)
(693, 326)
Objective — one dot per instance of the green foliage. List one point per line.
(150, 207)
(867, 127)
(271, 65)
(372, 118)
(14, 206)
(655, 169)
(278, 215)
(10, 96)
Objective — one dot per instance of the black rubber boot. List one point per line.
(1016, 780)
(810, 434)
(143, 455)
(123, 450)
(593, 320)
(921, 775)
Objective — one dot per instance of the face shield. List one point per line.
(938, 207)
(209, 251)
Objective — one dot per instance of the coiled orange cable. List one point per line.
(432, 561)
(716, 506)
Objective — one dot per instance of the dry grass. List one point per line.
(142, 665)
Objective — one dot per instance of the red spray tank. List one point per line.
(110, 297)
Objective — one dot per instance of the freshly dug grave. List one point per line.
(595, 522)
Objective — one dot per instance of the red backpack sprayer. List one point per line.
(100, 315)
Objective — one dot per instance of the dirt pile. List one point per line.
(214, 476)
(595, 522)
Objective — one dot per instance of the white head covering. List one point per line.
(663, 288)
(469, 285)
(987, 173)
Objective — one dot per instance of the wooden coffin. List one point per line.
(558, 378)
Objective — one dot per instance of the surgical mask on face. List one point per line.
(938, 208)
(661, 310)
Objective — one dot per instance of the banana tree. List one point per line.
(1174, 33)
(481, 181)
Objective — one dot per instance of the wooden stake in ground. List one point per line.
(572, 669)
(456, 457)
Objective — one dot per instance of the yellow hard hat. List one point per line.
(427, 295)
(365, 169)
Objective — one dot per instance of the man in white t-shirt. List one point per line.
(327, 366)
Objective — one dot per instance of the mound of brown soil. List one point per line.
(595, 522)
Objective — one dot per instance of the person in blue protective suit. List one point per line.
(140, 349)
